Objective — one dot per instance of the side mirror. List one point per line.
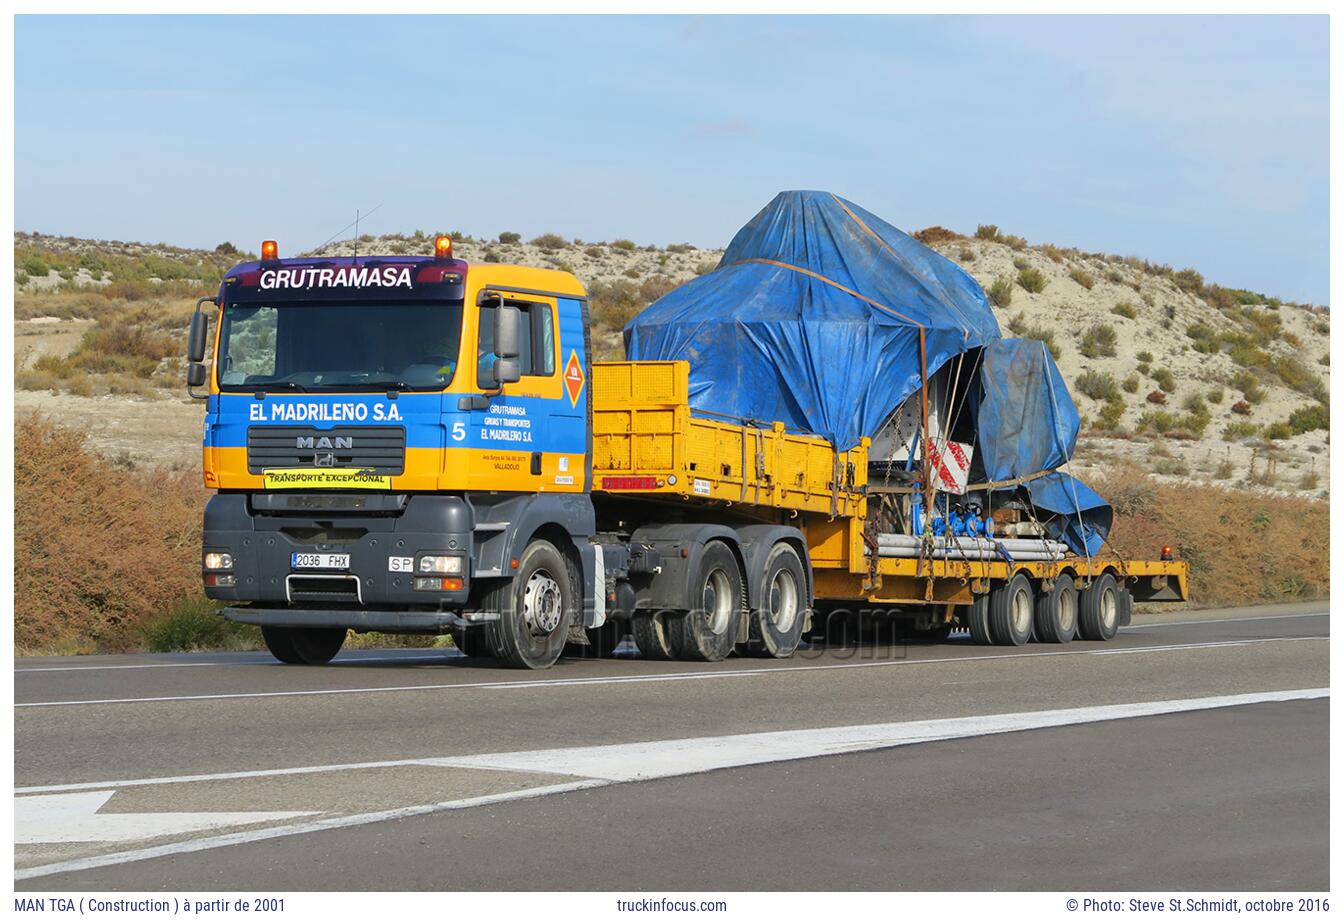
(507, 370)
(196, 338)
(506, 332)
(195, 374)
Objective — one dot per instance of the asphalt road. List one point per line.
(1190, 753)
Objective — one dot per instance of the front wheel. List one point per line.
(534, 609)
(306, 645)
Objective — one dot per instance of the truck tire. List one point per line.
(1011, 611)
(602, 641)
(1056, 617)
(298, 645)
(472, 642)
(654, 635)
(534, 609)
(708, 631)
(777, 628)
(1099, 609)
(975, 616)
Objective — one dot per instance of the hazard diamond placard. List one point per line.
(573, 378)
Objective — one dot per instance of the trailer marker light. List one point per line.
(269, 250)
(443, 247)
(1167, 554)
(629, 482)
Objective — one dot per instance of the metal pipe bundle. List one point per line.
(976, 549)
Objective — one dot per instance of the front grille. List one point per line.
(382, 449)
(323, 588)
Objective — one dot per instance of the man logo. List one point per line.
(324, 443)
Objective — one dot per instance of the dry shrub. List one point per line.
(99, 552)
(935, 234)
(1243, 547)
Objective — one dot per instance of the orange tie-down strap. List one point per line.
(834, 284)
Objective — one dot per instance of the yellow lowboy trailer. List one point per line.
(648, 445)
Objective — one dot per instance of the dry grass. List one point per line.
(99, 552)
(1242, 547)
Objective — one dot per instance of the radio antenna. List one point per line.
(354, 223)
(354, 243)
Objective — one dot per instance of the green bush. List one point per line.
(1278, 431)
(1309, 418)
(510, 237)
(1082, 277)
(1126, 310)
(1115, 277)
(1108, 419)
(1189, 280)
(1239, 431)
(1001, 292)
(627, 245)
(550, 241)
(1194, 403)
(1098, 341)
(1015, 243)
(1145, 357)
(1033, 280)
(1131, 384)
(195, 624)
(1098, 386)
(1160, 421)
(987, 232)
(1215, 396)
(1171, 466)
(1165, 380)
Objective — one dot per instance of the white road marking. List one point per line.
(454, 653)
(1193, 645)
(270, 833)
(619, 763)
(447, 654)
(540, 683)
(74, 818)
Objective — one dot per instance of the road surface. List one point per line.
(1190, 753)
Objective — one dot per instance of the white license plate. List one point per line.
(319, 560)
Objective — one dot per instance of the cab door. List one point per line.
(532, 436)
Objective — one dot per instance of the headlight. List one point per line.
(441, 565)
(218, 562)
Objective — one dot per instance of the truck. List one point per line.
(415, 444)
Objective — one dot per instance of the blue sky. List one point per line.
(1198, 141)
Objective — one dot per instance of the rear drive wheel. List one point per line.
(303, 645)
(602, 640)
(1056, 617)
(777, 628)
(709, 631)
(1011, 611)
(534, 609)
(654, 635)
(1099, 609)
(975, 616)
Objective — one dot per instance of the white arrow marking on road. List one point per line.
(74, 818)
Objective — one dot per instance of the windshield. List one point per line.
(339, 346)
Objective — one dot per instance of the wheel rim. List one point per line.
(1068, 610)
(718, 601)
(542, 603)
(784, 600)
(1108, 609)
(1021, 612)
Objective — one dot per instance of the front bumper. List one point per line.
(358, 619)
(262, 545)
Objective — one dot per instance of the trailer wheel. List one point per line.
(1099, 609)
(602, 641)
(777, 628)
(1010, 611)
(534, 609)
(975, 616)
(298, 645)
(708, 631)
(1056, 617)
(654, 635)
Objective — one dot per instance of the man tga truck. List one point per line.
(417, 445)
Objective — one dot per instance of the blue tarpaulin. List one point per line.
(813, 318)
(1026, 419)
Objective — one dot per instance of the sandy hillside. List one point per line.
(1191, 335)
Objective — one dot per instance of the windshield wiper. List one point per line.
(281, 385)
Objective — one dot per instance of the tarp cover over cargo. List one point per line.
(813, 317)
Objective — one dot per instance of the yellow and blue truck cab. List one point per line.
(375, 456)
